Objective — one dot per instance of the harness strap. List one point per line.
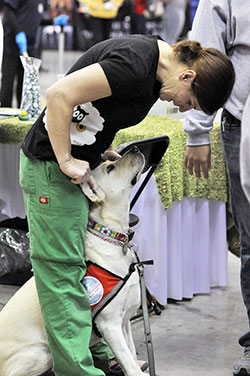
(116, 289)
(106, 300)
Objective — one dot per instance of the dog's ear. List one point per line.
(93, 191)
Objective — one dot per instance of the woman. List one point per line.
(113, 85)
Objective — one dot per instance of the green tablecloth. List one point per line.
(173, 180)
(13, 130)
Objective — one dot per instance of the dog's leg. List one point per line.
(29, 362)
(129, 338)
(113, 335)
(124, 356)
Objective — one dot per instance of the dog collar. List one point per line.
(105, 231)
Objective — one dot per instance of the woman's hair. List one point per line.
(215, 74)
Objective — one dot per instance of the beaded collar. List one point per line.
(120, 236)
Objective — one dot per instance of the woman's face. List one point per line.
(179, 91)
(185, 100)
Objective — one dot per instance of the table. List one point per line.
(182, 219)
(187, 236)
(12, 132)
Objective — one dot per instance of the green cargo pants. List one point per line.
(57, 214)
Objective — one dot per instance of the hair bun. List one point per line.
(189, 50)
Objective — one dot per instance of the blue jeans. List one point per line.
(240, 208)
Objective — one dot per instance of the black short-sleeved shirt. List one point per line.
(130, 65)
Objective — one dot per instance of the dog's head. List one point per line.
(112, 179)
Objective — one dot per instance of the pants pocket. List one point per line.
(58, 235)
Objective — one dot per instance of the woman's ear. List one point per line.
(187, 75)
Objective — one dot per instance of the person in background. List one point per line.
(101, 14)
(38, 47)
(173, 19)
(224, 25)
(137, 18)
(111, 86)
(21, 20)
(193, 8)
(245, 149)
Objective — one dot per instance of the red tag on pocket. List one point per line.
(43, 200)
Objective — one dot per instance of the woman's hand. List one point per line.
(77, 170)
(198, 158)
(110, 154)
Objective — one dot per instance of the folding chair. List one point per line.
(153, 149)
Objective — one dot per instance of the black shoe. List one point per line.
(115, 368)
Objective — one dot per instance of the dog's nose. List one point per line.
(135, 149)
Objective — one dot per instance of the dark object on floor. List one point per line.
(16, 279)
(15, 267)
(48, 373)
(15, 223)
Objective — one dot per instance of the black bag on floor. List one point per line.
(15, 265)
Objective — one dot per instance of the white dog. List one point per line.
(24, 349)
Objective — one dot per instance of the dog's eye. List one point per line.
(110, 168)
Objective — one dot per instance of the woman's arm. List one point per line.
(85, 85)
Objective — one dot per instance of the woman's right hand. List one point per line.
(77, 170)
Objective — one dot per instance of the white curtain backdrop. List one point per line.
(187, 243)
(11, 198)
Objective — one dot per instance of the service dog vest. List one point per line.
(102, 286)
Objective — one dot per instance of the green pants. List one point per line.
(57, 214)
